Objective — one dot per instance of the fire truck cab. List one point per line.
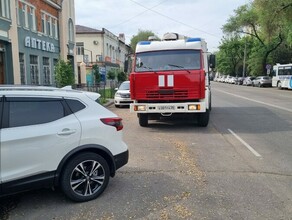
(171, 77)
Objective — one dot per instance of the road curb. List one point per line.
(109, 103)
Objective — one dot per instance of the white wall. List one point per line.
(13, 35)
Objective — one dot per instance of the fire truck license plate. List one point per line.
(166, 107)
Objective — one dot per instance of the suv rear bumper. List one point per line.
(121, 159)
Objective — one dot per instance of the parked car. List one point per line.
(248, 81)
(239, 80)
(227, 79)
(232, 80)
(58, 137)
(122, 95)
(262, 81)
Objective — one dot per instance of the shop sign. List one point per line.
(39, 44)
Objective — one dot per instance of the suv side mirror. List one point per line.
(212, 61)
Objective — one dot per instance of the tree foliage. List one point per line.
(95, 71)
(269, 24)
(230, 55)
(64, 74)
(121, 76)
(141, 36)
(111, 74)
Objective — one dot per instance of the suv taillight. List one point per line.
(116, 122)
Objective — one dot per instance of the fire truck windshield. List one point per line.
(168, 60)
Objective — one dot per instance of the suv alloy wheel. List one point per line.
(85, 177)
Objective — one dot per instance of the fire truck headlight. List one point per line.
(139, 108)
(193, 107)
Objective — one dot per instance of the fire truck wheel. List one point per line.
(143, 120)
(203, 119)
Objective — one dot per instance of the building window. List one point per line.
(80, 48)
(46, 71)
(49, 23)
(17, 12)
(55, 28)
(5, 8)
(34, 70)
(25, 12)
(32, 12)
(22, 69)
(44, 30)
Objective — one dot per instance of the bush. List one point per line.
(64, 74)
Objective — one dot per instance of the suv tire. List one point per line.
(85, 177)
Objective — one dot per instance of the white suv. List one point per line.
(58, 137)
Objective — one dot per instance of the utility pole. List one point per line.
(244, 57)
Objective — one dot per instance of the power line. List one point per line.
(189, 26)
(148, 9)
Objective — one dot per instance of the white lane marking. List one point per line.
(245, 144)
(252, 100)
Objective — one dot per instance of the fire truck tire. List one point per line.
(203, 118)
(143, 120)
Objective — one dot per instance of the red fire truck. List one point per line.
(171, 77)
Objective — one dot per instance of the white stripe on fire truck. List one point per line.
(170, 80)
(161, 82)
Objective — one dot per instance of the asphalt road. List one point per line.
(239, 167)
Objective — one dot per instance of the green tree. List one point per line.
(230, 55)
(141, 36)
(95, 71)
(265, 21)
(122, 76)
(64, 74)
(111, 74)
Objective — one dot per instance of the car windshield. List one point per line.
(125, 86)
(168, 60)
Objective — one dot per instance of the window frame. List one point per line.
(9, 99)
(46, 71)
(22, 73)
(5, 9)
(44, 23)
(36, 69)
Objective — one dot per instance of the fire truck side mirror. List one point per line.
(212, 61)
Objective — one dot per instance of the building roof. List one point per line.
(86, 30)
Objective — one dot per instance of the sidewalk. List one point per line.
(108, 103)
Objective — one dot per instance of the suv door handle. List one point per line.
(67, 131)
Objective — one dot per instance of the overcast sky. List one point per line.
(194, 18)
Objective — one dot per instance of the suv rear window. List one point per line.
(75, 105)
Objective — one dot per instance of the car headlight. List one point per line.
(118, 94)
